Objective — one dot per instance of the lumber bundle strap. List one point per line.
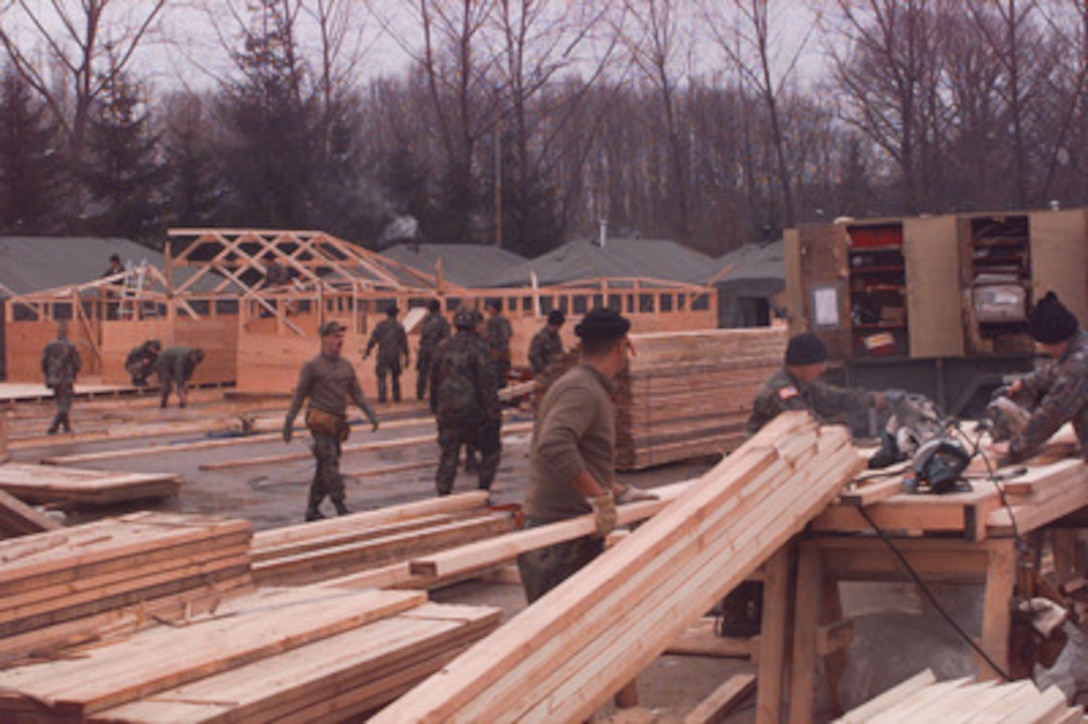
(562, 657)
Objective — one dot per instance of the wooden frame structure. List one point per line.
(253, 299)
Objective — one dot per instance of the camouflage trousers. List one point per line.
(545, 568)
(486, 438)
(423, 374)
(393, 371)
(63, 396)
(327, 479)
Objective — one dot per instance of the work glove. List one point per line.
(631, 494)
(604, 507)
(288, 430)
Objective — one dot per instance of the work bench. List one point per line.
(965, 537)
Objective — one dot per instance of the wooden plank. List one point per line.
(50, 484)
(772, 644)
(724, 698)
(17, 518)
(508, 547)
(700, 639)
(806, 612)
(1044, 707)
(136, 668)
(919, 700)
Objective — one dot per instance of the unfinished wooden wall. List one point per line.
(23, 346)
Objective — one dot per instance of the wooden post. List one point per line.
(772, 652)
(806, 618)
(996, 616)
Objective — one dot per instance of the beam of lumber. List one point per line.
(512, 392)
(323, 563)
(115, 674)
(17, 518)
(567, 653)
(722, 699)
(1070, 494)
(517, 427)
(195, 445)
(921, 699)
(304, 681)
(132, 431)
(505, 548)
(873, 492)
(458, 502)
(51, 484)
(700, 639)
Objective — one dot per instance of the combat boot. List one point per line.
(341, 508)
(314, 513)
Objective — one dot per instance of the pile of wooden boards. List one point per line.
(562, 657)
(377, 543)
(922, 698)
(689, 394)
(64, 586)
(51, 484)
(307, 654)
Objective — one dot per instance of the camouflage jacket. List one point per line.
(432, 332)
(463, 388)
(1059, 391)
(782, 391)
(391, 340)
(499, 333)
(545, 348)
(60, 362)
(176, 363)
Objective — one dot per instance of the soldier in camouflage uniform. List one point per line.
(141, 359)
(60, 365)
(328, 380)
(175, 367)
(392, 344)
(547, 346)
(433, 330)
(465, 401)
(797, 386)
(499, 333)
(1056, 393)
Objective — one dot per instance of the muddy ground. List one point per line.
(896, 634)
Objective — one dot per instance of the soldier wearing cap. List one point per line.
(1057, 392)
(572, 455)
(328, 381)
(175, 367)
(392, 344)
(433, 330)
(465, 401)
(60, 365)
(797, 386)
(547, 346)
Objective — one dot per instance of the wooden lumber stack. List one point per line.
(17, 518)
(689, 394)
(74, 487)
(308, 654)
(562, 657)
(338, 547)
(68, 585)
(922, 698)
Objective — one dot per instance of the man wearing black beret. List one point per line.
(572, 455)
(797, 386)
(1056, 393)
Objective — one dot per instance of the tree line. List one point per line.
(525, 123)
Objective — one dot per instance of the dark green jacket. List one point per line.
(463, 388)
(782, 391)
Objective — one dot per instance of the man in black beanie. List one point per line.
(1055, 393)
(797, 386)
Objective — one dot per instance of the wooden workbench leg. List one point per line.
(806, 616)
(996, 617)
(772, 640)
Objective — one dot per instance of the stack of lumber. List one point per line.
(373, 541)
(566, 654)
(922, 698)
(308, 654)
(43, 484)
(64, 586)
(688, 394)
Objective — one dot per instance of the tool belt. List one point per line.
(319, 421)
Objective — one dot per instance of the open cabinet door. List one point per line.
(816, 276)
(934, 309)
(1058, 240)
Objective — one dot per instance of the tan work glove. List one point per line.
(604, 506)
(631, 494)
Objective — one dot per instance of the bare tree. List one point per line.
(88, 45)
